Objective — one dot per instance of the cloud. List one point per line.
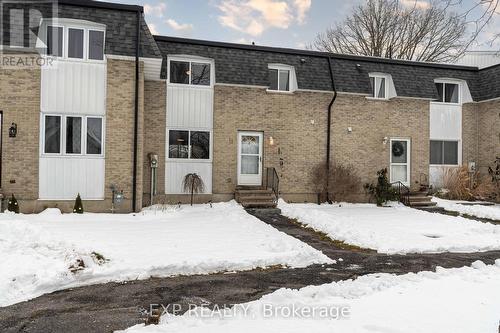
(420, 4)
(253, 17)
(183, 28)
(152, 28)
(155, 10)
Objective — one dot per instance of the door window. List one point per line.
(400, 161)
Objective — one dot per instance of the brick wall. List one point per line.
(20, 103)
(155, 110)
(488, 134)
(297, 123)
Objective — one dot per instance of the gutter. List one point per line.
(136, 108)
(328, 130)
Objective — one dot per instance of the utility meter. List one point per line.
(153, 160)
(472, 167)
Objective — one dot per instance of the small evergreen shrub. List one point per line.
(78, 208)
(13, 206)
(383, 190)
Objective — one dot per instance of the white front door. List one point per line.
(400, 161)
(250, 158)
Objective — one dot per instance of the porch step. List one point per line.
(255, 197)
(422, 204)
(421, 200)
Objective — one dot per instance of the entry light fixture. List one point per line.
(13, 130)
(384, 140)
(271, 141)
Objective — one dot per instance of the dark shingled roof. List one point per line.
(247, 65)
(120, 21)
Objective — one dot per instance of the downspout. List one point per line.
(328, 130)
(136, 111)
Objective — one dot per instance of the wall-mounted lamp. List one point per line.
(302, 61)
(384, 140)
(271, 141)
(358, 67)
(349, 130)
(13, 130)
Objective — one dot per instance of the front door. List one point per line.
(400, 161)
(250, 158)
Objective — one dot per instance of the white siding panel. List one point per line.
(74, 88)
(63, 178)
(175, 172)
(445, 122)
(189, 107)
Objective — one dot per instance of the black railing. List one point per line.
(273, 182)
(403, 192)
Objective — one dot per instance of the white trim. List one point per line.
(408, 160)
(251, 180)
(459, 84)
(240, 85)
(292, 78)
(376, 76)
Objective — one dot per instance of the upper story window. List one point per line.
(185, 144)
(282, 78)
(448, 92)
(379, 86)
(71, 41)
(196, 73)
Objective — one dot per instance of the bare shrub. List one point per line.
(343, 182)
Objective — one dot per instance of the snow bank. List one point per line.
(446, 301)
(397, 229)
(38, 249)
(485, 212)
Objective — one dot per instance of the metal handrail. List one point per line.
(403, 192)
(273, 182)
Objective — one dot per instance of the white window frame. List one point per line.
(86, 26)
(459, 156)
(63, 56)
(189, 159)
(445, 82)
(190, 60)
(291, 77)
(82, 131)
(66, 40)
(62, 136)
(374, 88)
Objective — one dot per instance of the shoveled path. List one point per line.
(114, 306)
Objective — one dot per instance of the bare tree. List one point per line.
(424, 31)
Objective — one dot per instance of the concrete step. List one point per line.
(245, 187)
(256, 197)
(264, 211)
(426, 198)
(422, 204)
(253, 192)
(431, 209)
(258, 204)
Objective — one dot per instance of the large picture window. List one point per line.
(187, 72)
(189, 144)
(75, 42)
(448, 92)
(73, 133)
(444, 152)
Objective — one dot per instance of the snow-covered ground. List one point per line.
(486, 212)
(446, 301)
(37, 250)
(396, 229)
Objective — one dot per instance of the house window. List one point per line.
(94, 136)
(448, 92)
(444, 152)
(52, 142)
(279, 79)
(73, 133)
(55, 41)
(96, 45)
(75, 43)
(379, 85)
(189, 144)
(193, 73)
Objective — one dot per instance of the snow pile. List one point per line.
(33, 262)
(481, 211)
(396, 230)
(157, 242)
(447, 301)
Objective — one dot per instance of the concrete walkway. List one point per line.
(113, 306)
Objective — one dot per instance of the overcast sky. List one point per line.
(287, 23)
